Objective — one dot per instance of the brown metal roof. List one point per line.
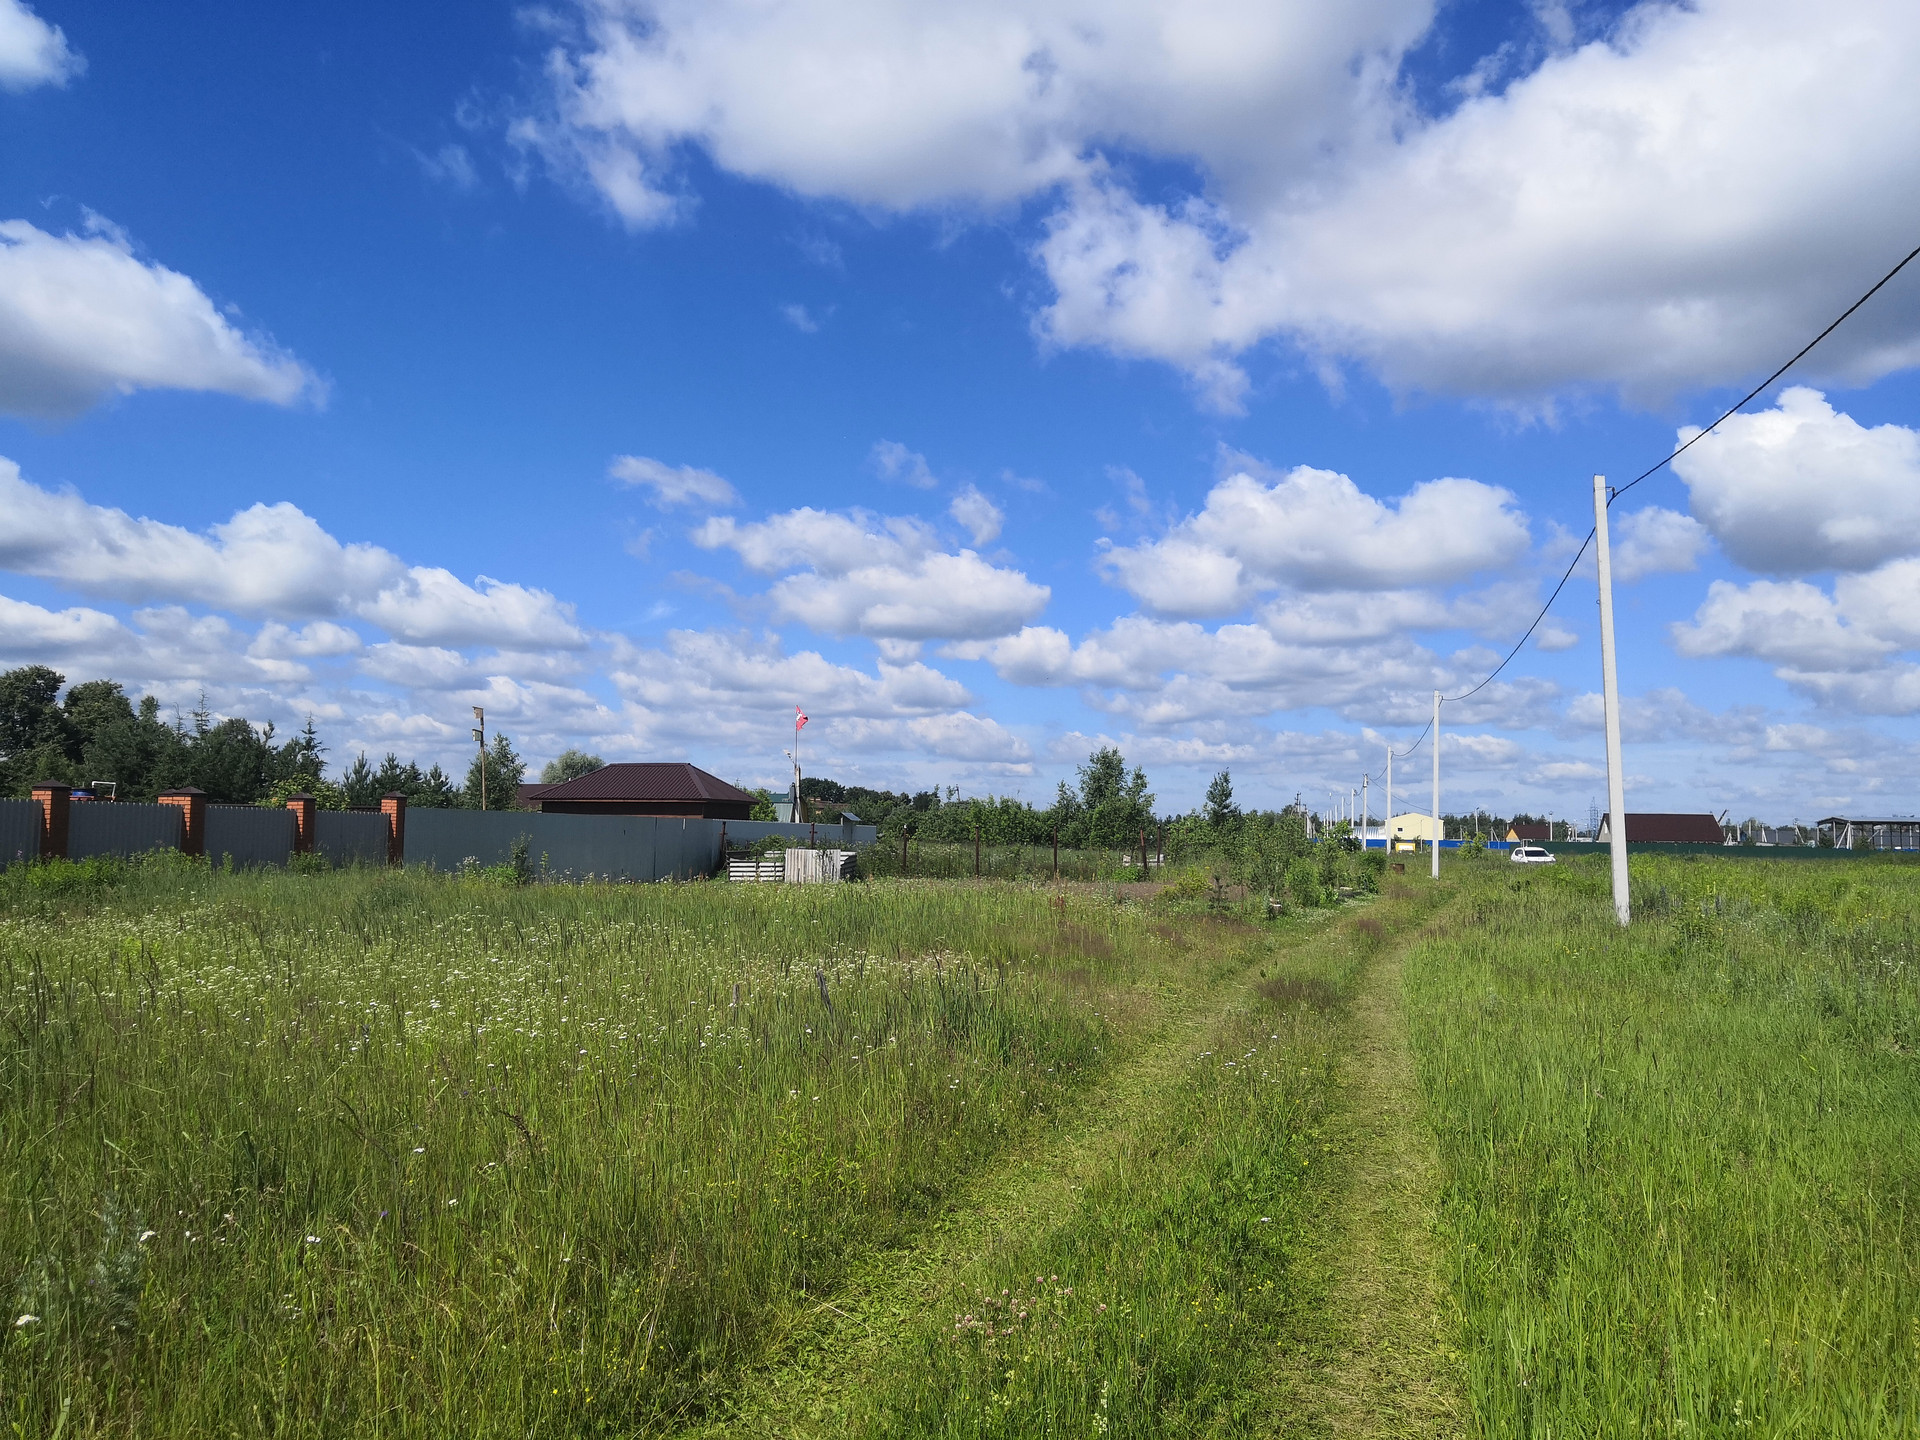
(648, 782)
(1674, 829)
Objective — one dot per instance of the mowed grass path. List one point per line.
(1152, 1265)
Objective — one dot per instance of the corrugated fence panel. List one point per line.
(351, 837)
(250, 834)
(611, 847)
(615, 847)
(19, 831)
(445, 839)
(104, 827)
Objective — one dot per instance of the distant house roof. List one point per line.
(650, 788)
(1529, 832)
(529, 795)
(1668, 829)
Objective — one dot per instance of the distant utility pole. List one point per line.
(1389, 799)
(1364, 807)
(1436, 784)
(480, 739)
(1610, 683)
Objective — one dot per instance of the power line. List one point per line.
(1660, 465)
(1800, 355)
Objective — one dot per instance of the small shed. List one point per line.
(649, 788)
(1666, 829)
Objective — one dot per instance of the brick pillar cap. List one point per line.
(302, 795)
(185, 790)
(394, 795)
(52, 785)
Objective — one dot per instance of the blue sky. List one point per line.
(961, 362)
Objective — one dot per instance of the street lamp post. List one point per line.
(480, 739)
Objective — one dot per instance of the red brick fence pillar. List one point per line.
(393, 805)
(302, 807)
(193, 817)
(53, 799)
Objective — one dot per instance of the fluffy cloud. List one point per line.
(32, 52)
(1315, 530)
(1651, 210)
(980, 515)
(960, 735)
(1785, 622)
(1837, 647)
(1802, 488)
(1174, 673)
(268, 560)
(899, 105)
(885, 578)
(82, 317)
(675, 484)
(734, 693)
(30, 634)
(1532, 239)
(1655, 541)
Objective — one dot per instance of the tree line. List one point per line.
(97, 733)
(1108, 808)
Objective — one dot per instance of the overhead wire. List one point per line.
(1656, 468)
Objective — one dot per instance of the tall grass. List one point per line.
(386, 1153)
(1683, 1161)
(929, 860)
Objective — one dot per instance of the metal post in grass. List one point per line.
(1434, 841)
(1389, 798)
(1610, 683)
(1056, 854)
(480, 739)
(976, 848)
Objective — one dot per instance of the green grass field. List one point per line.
(373, 1153)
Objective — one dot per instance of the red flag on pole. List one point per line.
(799, 718)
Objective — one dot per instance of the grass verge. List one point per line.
(1682, 1159)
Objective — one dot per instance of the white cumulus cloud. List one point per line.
(32, 52)
(1802, 488)
(675, 484)
(883, 577)
(1651, 210)
(82, 317)
(1655, 541)
(980, 515)
(1314, 530)
(273, 561)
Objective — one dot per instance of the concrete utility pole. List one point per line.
(1389, 799)
(1364, 808)
(1436, 784)
(1610, 683)
(480, 739)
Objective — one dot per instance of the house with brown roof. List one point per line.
(1537, 831)
(1655, 829)
(645, 788)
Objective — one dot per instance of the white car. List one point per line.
(1530, 855)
